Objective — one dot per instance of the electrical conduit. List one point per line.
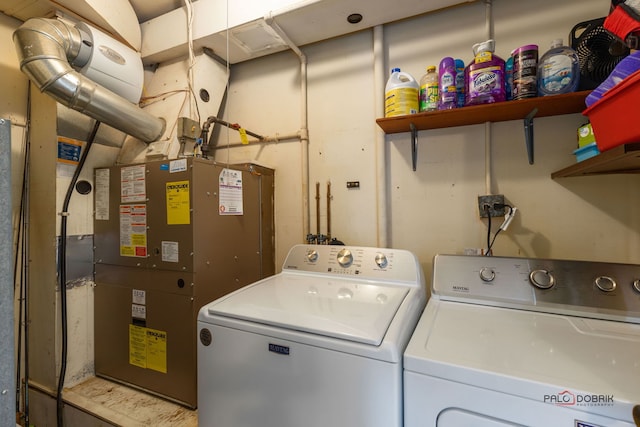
(380, 78)
(304, 129)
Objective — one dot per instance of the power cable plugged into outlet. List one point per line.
(494, 206)
(491, 205)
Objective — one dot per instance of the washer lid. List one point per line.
(345, 309)
(470, 343)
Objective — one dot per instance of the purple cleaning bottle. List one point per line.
(447, 84)
(485, 76)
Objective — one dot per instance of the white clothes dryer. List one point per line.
(319, 344)
(525, 342)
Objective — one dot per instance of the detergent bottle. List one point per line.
(400, 94)
(429, 90)
(485, 76)
(558, 70)
(447, 84)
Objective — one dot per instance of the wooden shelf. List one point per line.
(620, 159)
(498, 112)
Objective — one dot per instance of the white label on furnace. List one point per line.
(139, 296)
(230, 185)
(139, 311)
(102, 194)
(179, 165)
(132, 184)
(133, 231)
(170, 251)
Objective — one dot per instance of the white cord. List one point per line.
(508, 218)
(189, 7)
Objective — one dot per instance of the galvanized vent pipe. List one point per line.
(47, 48)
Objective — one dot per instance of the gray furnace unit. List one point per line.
(170, 237)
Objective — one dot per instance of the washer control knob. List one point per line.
(636, 285)
(542, 279)
(606, 284)
(345, 258)
(312, 255)
(487, 274)
(381, 260)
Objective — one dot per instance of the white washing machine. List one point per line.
(526, 342)
(319, 344)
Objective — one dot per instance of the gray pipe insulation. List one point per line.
(46, 49)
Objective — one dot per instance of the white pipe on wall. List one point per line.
(267, 140)
(379, 81)
(487, 125)
(304, 125)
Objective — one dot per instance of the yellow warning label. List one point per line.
(139, 239)
(138, 346)
(178, 203)
(127, 251)
(148, 348)
(133, 230)
(157, 350)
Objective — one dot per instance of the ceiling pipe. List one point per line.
(487, 125)
(46, 48)
(304, 126)
(382, 190)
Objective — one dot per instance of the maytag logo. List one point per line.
(458, 288)
(280, 349)
(578, 423)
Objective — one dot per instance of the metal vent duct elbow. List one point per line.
(47, 48)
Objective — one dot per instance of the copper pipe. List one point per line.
(328, 211)
(318, 209)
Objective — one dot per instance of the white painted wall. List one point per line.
(432, 210)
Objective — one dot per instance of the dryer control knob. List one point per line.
(542, 279)
(312, 255)
(381, 260)
(606, 284)
(345, 258)
(487, 274)
(636, 285)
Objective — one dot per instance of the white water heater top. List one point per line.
(110, 63)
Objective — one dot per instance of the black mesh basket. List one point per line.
(598, 51)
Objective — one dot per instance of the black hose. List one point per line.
(21, 240)
(63, 271)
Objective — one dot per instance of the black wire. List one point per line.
(493, 240)
(497, 232)
(487, 209)
(19, 245)
(62, 259)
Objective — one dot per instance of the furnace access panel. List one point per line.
(171, 236)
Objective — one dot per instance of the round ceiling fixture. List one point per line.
(354, 18)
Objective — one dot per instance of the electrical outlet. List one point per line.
(491, 200)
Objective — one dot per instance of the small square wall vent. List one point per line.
(257, 37)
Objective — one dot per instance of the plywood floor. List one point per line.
(127, 407)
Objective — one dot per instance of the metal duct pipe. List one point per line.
(46, 47)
